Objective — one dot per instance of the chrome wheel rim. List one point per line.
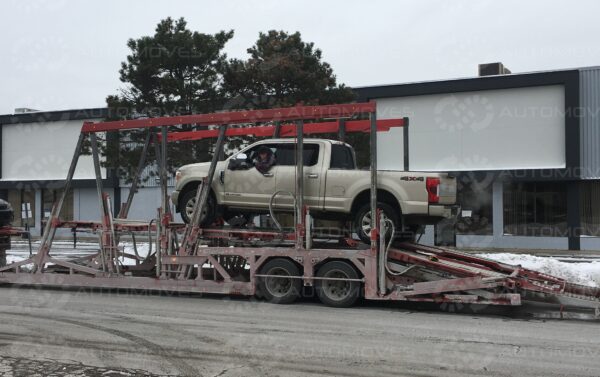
(189, 209)
(365, 223)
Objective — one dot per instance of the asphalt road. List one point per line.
(84, 333)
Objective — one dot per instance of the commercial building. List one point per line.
(524, 147)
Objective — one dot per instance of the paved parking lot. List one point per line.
(84, 333)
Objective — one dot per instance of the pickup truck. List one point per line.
(333, 187)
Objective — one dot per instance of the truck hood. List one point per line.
(192, 172)
(199, 169)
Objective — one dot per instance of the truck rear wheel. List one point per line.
(186, 208)
(362, 220)
(337, 293)
(282, 288)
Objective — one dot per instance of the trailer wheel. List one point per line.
(337, 293)
(187, 207)
(362, 220)
(282, 289)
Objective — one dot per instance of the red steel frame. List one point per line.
(179, 264)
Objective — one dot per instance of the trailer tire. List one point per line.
(337, 293)
(187, 203)
(363, 214)
(280, 290)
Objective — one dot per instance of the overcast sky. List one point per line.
(65, 54)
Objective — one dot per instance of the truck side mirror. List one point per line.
(238, 162)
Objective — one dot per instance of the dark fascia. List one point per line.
(568, 78)
(54, 116)
(466, 85)
(54, 184)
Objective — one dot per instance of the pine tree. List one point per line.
(282, 71)
(173, 72)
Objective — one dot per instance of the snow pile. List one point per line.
(584, 273)
(142, 248)
(13, 258)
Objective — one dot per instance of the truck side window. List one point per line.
(286, 154)
(252, 153)
(342, 157)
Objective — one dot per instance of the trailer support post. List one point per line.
(299, 184)
(163, 172)
(374, 217)
(405, 144)
(124, 212)
(107, 240)
(342, 130)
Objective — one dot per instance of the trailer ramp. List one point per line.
(425, 273)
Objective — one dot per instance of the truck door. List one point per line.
(341, 173)
(246, 187)
(285, 174)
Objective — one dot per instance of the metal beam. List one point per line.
(289, 129)
(342, 130)
(299, 184)
(134, 184)
(238, 117)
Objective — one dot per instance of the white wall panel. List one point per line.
(42, 151)
(520, 128)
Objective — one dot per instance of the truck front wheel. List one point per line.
(186, 208)
(362, 220)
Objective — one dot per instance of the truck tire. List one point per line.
(337, 293)
(280, 290)
(186, 206)
(362, 218)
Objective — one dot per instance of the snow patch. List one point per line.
(13, 258)
(584, 273)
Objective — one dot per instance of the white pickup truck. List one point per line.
(333, 187)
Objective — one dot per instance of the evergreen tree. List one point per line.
(282, 71)
(174, 72)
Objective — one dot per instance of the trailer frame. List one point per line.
(192, 258)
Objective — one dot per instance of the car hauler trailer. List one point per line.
(275, 263)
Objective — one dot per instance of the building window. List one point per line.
(475, 200)
(23, 204)
(590, 208)
(535, 209)
(51, 196)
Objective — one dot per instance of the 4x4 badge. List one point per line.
(410, 179)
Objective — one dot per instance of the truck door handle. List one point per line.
(313, 175)
(222, 176)
(268, 174)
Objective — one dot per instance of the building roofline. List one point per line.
(477, 77)
(54, 116)
(513, 80)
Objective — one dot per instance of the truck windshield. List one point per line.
(342, 157)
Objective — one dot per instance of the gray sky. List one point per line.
(65, 54)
